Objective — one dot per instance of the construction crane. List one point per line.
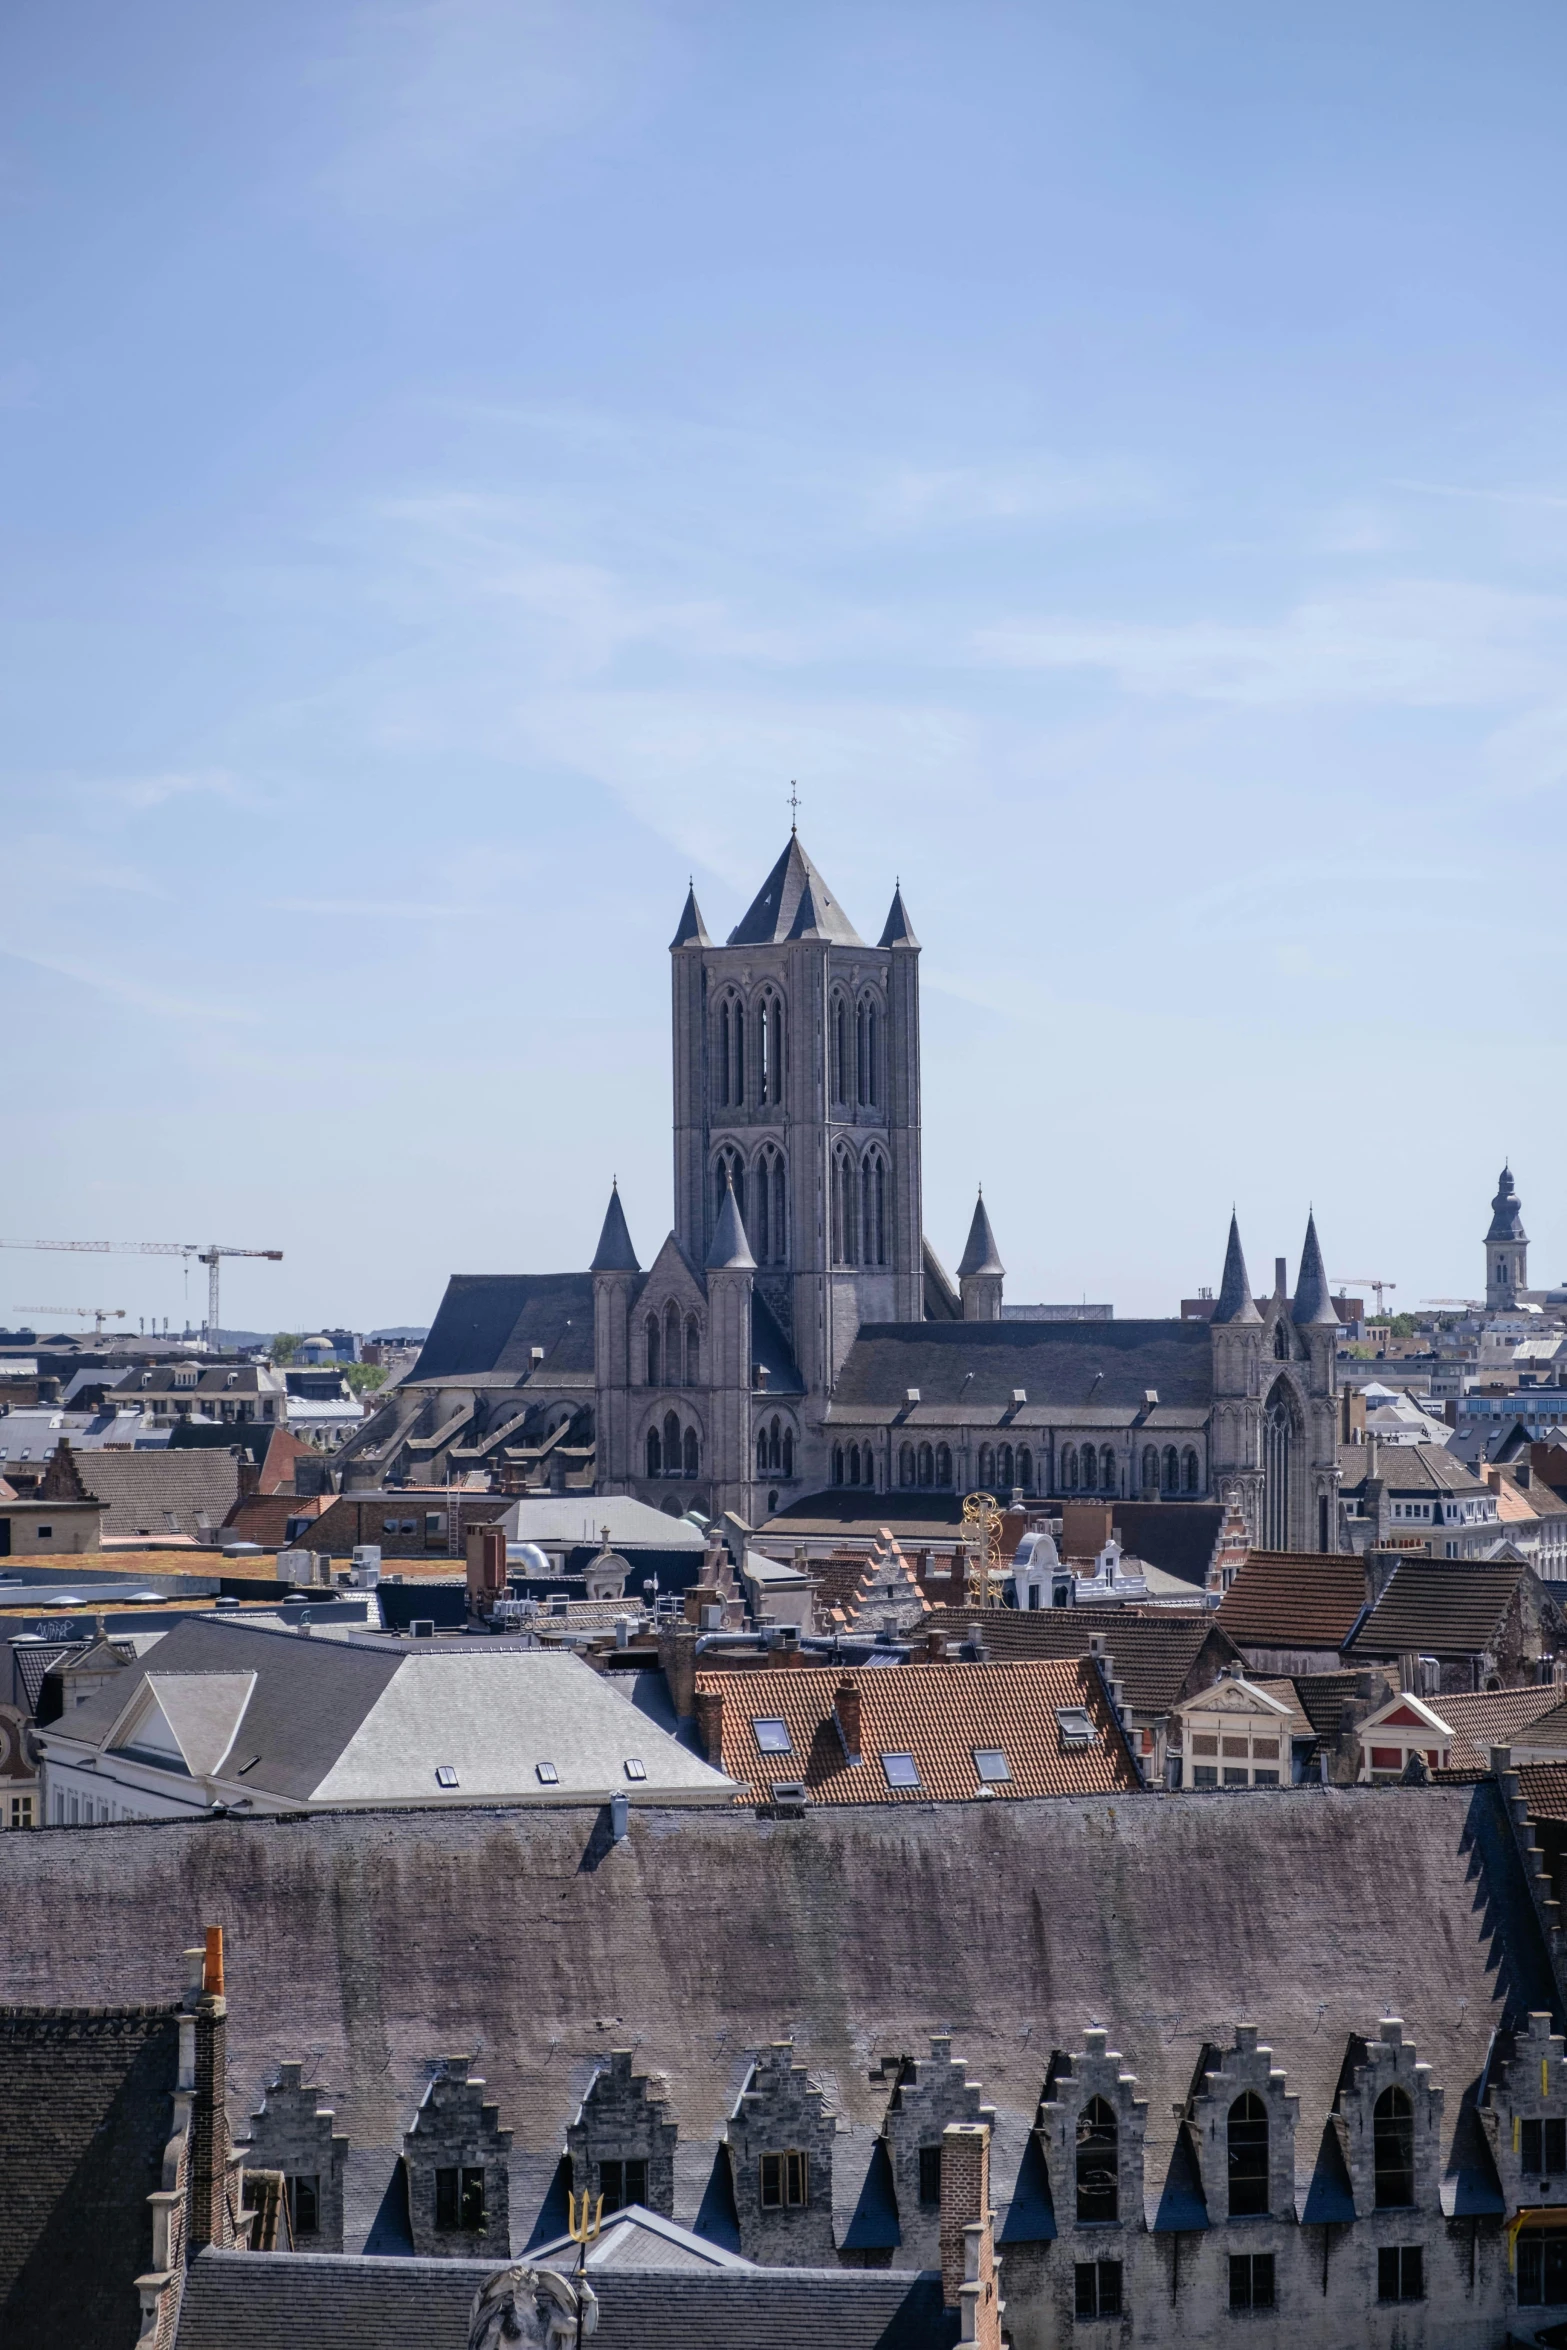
(1471, 1304)
(1364, 1281)
(209, 1256)
(98, 1314)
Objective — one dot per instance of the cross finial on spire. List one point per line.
(794, 809)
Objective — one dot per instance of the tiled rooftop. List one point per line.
(1439, 1608)
(1492, 1717)
(1294, 1599)
(1152, 1656)
(1544, 1789)
(936, 1714)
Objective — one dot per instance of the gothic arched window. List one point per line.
(1189, 1470)
(1088, 1466)
(873, 1210)
(691, 1456)
(1025, 1468)
(1069, 1469)
(854, 1464)
(655, 1455)
(1107, 1475)
(1248, 2150)
(1281, 1340)
(766, 1230)
(769, 1050)
(837, 1465)
(672, 1357)
(671, 1445)
(774, 1447)
(788, 1452)
(906, 1464)
(655, 1356)
(844, 1206)
(1098, 2148)
(867, 1054)
(1150, 1469)
(721, 1057)
(1278, 1444)
(927, 1465)
(840, 1049)
(693, 1352)
(987, 1468)
(944, 1465)
(1004, 1468)
(1393, 2150)
(1172, 1469)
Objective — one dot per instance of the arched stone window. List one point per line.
(873, 1209)
(692, 1454)
(655, 1357)
(867, 1040)
(906, 1464)
(767, 1230)
(837, 1464)
(693, 1352)
(1172, 1469)
(1189, 1470)
(729, 1054)
(788, 1452)
(671, 1445)
(839, 1021)
(1025, 1468)
(1088, 1467)
(769, 1050)
(1248, 2151)
(1069, 1469)
(1281, 1340)
(987, 1468)
(655, 1454)
(854, 1464)
(672, 1355)
(845, 1205)
(1150, 1469)
(1279, 1432)
(1004, 1475)
(761, 1452)
(927, 1465)
(1098, 2163)
(1393, 2150)
(1107, 1472)
(944, 1466)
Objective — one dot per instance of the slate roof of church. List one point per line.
(700, 1938)
(1179, 1536)
(85, 2112)
(1440, 1607)
(491, 1321)
(1152, 1656)
(938, 1714)
(774, 913)
(1294, 1599)
(1408, 1468)
(1070, 1364)
(326, 2301)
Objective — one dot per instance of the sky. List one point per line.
(462, 460)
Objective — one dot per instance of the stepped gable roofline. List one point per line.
(774, 912)
(898, 930)
(1085, 1366)
(1506, 1210)
(691, 930)
(1236, 1303)
(615, 1253)
(980, 1254)
(731, 1251)
(1313, 1308)
(493, 1321)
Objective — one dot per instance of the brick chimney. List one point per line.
(203, 2073)
(968, 2249)
(710, 1725)
(846, 1707)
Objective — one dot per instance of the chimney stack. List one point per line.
(709, 1708)
(968, 2253)
(846, 1705)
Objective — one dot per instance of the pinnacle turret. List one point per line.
(1235, 1298)
(614, 1253)
(1313, 1308)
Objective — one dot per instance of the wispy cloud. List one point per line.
(1024, 489)
(140, 792)
(124, 986)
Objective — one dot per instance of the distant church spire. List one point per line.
(614, 1253)
(1313, 1305)
(898, 930)
(693, 930)
(1235, 1298)
(731, 1251)
(981, 1254)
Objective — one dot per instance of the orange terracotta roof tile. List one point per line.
(1152, 1656)
(1294, 1599)
(938, 1716)
(1492, 1717)
(1544, 1789)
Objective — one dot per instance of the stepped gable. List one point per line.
(885, 1598)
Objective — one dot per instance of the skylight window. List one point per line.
(636, 1768)
(991, 1763)
(900, 1770)
(446, 1774)
(1075, 1725)
(547, 1774)
(773, 1737)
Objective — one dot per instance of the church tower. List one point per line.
(1506, 1248)
(797, 1082)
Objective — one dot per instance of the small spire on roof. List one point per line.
(1313, 1305)
(614, 1253)
(731, 1251)
(692, 931)
(898, 930)
(981, 1254)
(1235, 1298)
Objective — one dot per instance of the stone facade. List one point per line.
(456, 2160)
(780, 2138)
(928, 2094)
(623, 2138)
(293, 2133)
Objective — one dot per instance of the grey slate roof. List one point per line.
(1064, 1363)
(293, 2301)
(897, 930)
(774, 913)
(1409, 1468)
(1506, 1210)
(1313, 1307)
(143, 1491)
(491, 1321)
(1235, 1298)
(615, 1253)
(731, 1251)
(980, 1253)
(1178, 1536)
(691, 930)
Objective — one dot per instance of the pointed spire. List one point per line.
(1313, 1306)
(981, 1254)
(614, 1253)
(773, 912)
(1235, 1298)
(1506, 1210)
(898, 931)
(693, 930)
(731, 1251)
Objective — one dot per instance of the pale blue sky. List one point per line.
(462, 458)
